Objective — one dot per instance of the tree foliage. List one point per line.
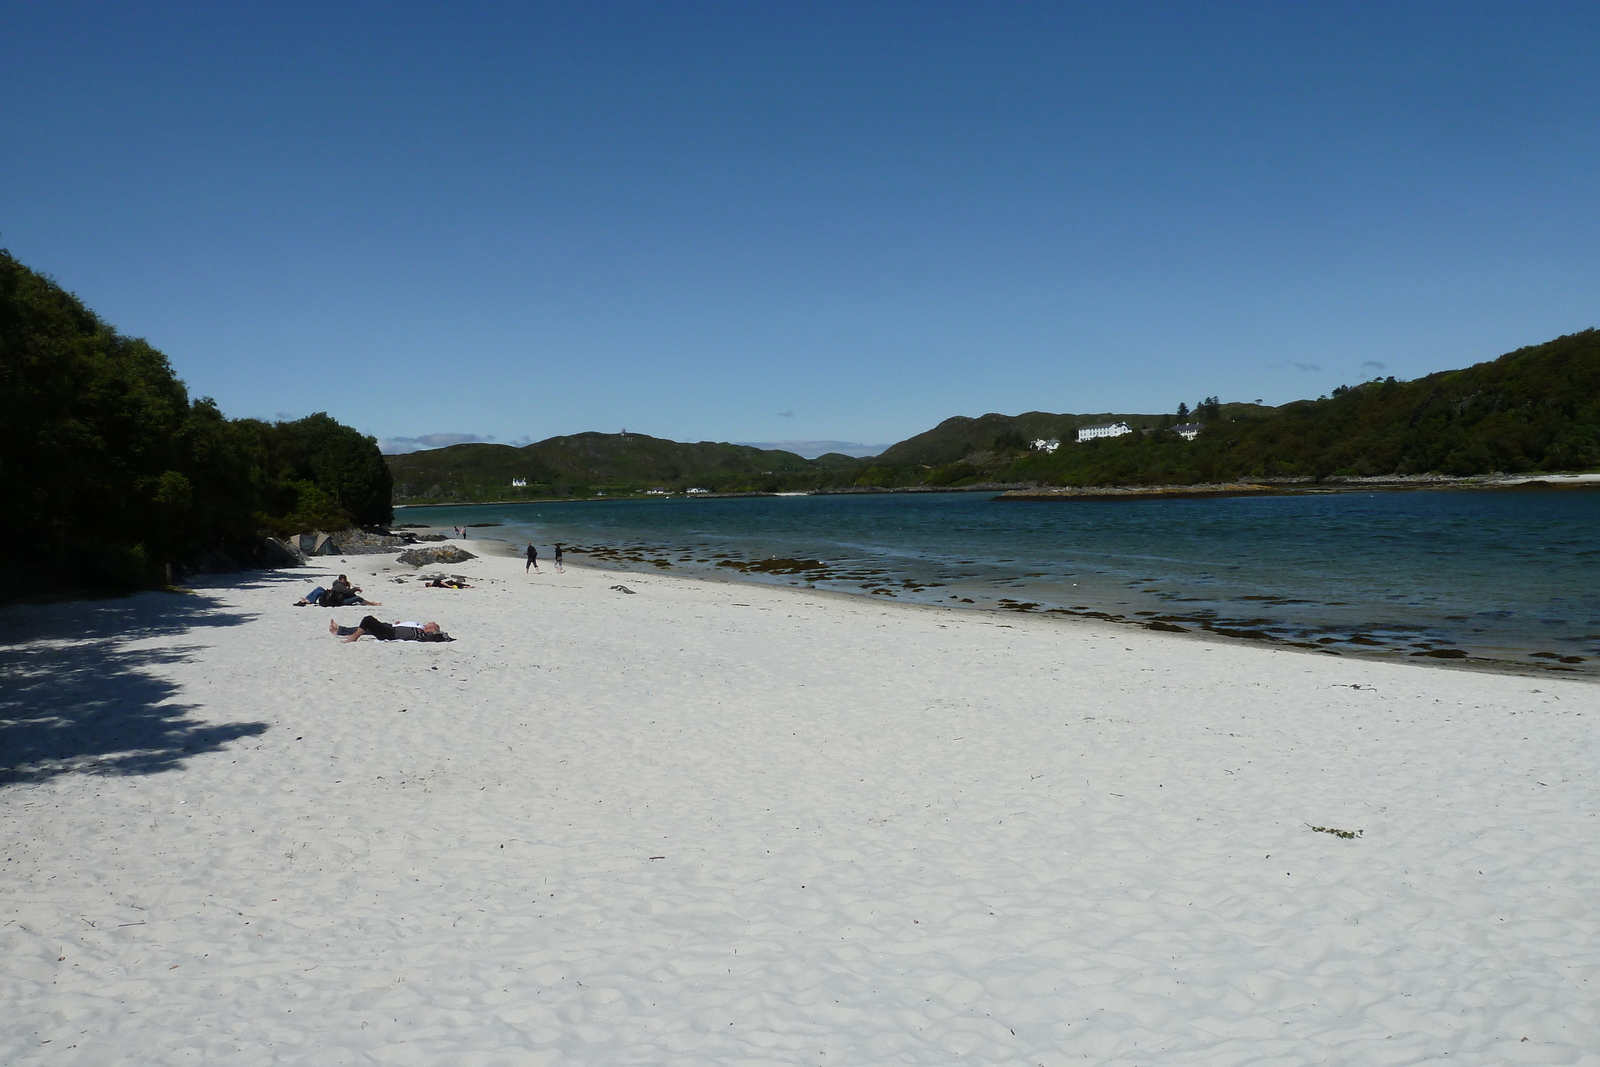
(1535, 409)
(113, 471)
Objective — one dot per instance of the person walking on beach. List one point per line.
(533, 558)
(559, 568)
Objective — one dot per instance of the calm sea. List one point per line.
(1509, 575)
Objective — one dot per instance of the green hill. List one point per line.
(962, 437)
(1535, 409)
(588, 463)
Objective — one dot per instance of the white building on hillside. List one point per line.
(519, 483)
(1188, 430)
(1047, 446)
(1110, 429)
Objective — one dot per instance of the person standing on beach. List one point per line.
(533, 558)
(559, 568)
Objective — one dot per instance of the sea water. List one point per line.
(1496, 574)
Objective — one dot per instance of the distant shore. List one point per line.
(1024, 492)
(1386, 483)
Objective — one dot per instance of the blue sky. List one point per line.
(782, 222)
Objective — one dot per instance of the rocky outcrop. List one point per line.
(350, 542)
(274, 553)
(424, 557)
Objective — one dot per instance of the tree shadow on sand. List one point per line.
(73, 700)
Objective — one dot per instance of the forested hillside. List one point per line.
(1535, 409)
(109, 471)
(589, 463)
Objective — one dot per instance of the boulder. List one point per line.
(348, 542)
(423, 557)
(274, 553)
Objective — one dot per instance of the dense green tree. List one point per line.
(342, 463)
(113, 473)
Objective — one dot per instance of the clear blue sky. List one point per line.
(771, 222)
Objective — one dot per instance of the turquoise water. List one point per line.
(1508, 575)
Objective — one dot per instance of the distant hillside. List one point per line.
(587, 463)
(964, 438)
(1535, 409)
(959, 437)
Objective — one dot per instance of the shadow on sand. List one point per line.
(73, 700)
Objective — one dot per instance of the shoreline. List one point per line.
(1174, 624)
(718, 823)
(1011, 491)
(1285, 487)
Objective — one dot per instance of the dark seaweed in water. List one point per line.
(1455, 574)
(777, 566)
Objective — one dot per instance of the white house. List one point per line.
(519, 483)
(1046, 446)
(1188, 430)
(1110, 429)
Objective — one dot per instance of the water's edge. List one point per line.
(1407, 632)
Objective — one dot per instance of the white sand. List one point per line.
(886, 834)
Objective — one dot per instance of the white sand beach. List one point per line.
(718, 823)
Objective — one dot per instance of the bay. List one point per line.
(1473, 575)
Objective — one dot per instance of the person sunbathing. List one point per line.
(341, 592)
(447, 583)
(389, 631)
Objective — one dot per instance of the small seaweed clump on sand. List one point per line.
(1346, 834)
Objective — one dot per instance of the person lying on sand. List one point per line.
(342, 592)
(313, 597)
(389, 631)
(447, 583)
